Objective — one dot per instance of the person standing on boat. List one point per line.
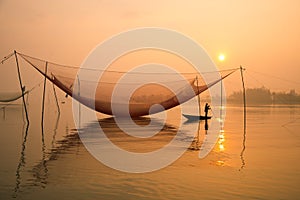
(206, 109)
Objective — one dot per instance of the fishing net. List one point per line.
(6, 97)
(143, 91)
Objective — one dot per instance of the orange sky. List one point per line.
(262, 36)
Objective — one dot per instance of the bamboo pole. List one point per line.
(79, 106)
(198, 96)
(221, 106)
(21, 86)
(244, 134)
(56, 99)
(43, 101)
(244, 95)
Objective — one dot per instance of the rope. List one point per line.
(6, 57)
(113, 83)
(267, 86)
(276, 77)
(27, 92)
(291, 122)
(122, 72)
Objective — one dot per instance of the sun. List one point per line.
(221, 57)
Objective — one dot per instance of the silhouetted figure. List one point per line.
(206, 109)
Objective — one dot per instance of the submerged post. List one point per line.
(21, 86)
(43, 103)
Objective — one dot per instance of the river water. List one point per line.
(261, 163)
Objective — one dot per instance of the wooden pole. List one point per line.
(221, 107)
(244, 134)
(43, 101)
(56, 99)
(198, 96)
(21, 86)
(244, 94)
(79, 105)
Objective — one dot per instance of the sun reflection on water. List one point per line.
(221, 141)
(221, 148)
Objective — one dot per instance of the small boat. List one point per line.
(196, 117)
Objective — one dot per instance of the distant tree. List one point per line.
(286, 98)
(253, 96)
(263, 96)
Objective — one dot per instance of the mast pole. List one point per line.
(21, 86)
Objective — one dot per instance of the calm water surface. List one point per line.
(60, 166)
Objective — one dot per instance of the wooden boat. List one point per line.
(196, 117)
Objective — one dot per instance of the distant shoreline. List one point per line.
(263, 96)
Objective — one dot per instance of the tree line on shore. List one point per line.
(265, 96)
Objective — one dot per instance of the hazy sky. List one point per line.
(263, 36)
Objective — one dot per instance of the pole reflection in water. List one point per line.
(197, 141)
(244, 148)
(70, 143)
(22, 162)
(39, 172)
(195, 145)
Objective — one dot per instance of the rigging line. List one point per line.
(254, 78)
(276, 77)
(115, 71)
(278, 98)
(37, 85)
(290, 122)
(127, 83)
(21, 85)
(7, 57)
(25, 93)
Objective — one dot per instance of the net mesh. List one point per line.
(6, 97)
(147, 91)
